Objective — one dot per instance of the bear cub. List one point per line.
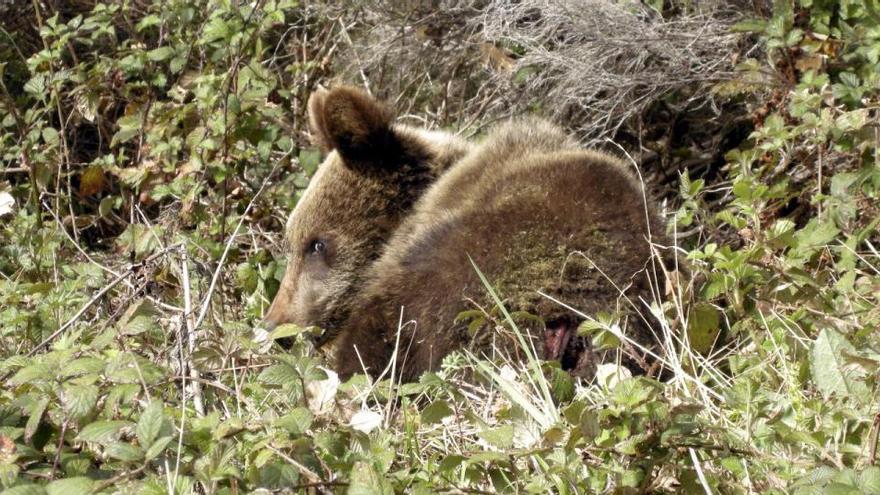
(383, 243)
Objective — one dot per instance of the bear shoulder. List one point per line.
(534, 212)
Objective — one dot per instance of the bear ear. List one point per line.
(316, 119)
(354, 124)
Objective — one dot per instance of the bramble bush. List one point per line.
(150, 152)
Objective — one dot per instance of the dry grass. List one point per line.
(602, 64)
(606, 71)
(590, 64)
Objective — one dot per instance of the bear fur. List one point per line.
(373, 174)
(527, 206)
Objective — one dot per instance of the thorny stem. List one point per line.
(116, 479)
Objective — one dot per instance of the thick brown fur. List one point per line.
(393, 217)
(533, 212)
(372, 177)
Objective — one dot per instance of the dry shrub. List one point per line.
(604, 69)
(597, 64)
(423, 56)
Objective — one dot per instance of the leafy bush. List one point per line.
(151, 151)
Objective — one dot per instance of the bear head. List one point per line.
(374, 172)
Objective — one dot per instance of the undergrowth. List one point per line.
(151, 150)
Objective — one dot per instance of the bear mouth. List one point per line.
(325, 336)
(557, 335)
(561, 343)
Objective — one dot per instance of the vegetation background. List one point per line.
(150, 150)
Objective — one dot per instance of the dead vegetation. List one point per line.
(624, 72)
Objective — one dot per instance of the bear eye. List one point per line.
(316, 246)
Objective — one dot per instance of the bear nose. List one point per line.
(273, 316)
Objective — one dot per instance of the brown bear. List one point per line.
(385, 240)
(373, 175)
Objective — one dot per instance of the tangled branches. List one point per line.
(602, 63)
(604, 70)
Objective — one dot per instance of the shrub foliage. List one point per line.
(150, 151)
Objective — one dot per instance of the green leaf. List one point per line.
(233, 104)
(76, 465)
(279, 374)
(309, 159)
(24, 490)
(148, 21)
(632, 477)
(138, 318)
(830, 371)
(160, 54)
(8, 473)
(632, 392)
(278, 474)
(35, 415)
(79, 485)
(365, 480)
(450, 463)
(793, 37)
(286, 330)
(704, 324)
(589, 327)
(125, 452)
(841, 183)
(139, 238)
(589, 425)
(869, 480)
(852, 121)
(158, 447)
(138, 325)
(128, 367)
(150, 424)
(36, 86)
(83, 366)
(850, 79)
(297, 421)
(836, 488)
(434, 413)
(501, 437)
(815, 234)
(215, 29)
(605, 339)
(522, 75)
(106, 206)
(561, 383)
(177, 64)
(79, 400)
(102, 432)
(17, 361)
(129, 127)
(50, 136)
(38, 372)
